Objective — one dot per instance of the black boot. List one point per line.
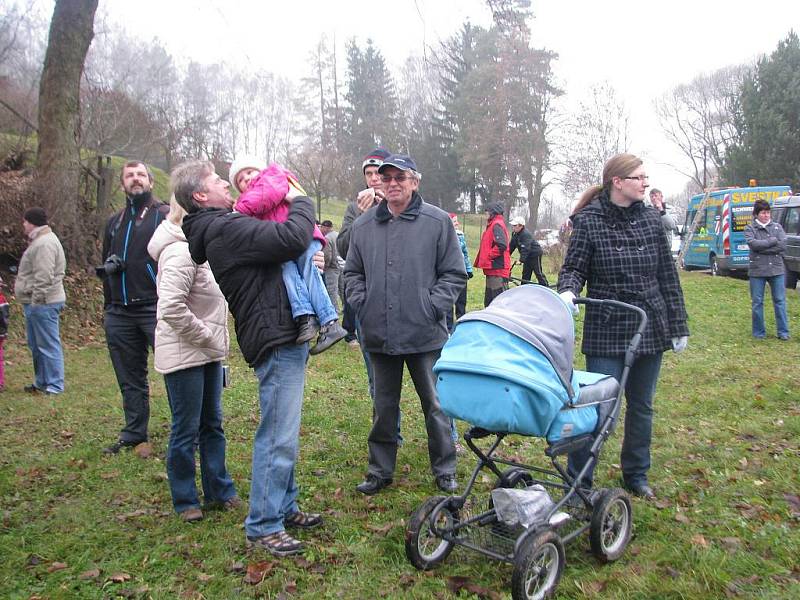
(307, 328)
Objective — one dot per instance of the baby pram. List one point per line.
(507, 369)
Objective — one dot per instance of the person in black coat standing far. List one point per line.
(530, 252)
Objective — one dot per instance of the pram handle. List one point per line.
(630, 353)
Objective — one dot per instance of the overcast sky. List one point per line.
(642, 48)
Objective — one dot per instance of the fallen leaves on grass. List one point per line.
(119, 578)
(143, 450)
(699, 540)
(794, 503)
(682, 518)
(734, 588)
(237, 567)
(456, 584)
(56, 566)
(592, 587)
(90, 574)
(731, 544)
(257, 571)
(381, 529)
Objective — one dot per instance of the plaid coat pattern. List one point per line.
(623, 254)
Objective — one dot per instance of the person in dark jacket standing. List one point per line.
(129, 289)
(767, 242)
(530, 252)
(619, 249)
(403, 272)
(245, 256)
(493, 256)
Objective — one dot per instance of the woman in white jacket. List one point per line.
(190, 344)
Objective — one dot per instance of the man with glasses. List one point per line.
(403, 272)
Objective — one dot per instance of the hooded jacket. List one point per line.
(623, 254)
(264, 198)
(402, 275)
(493, 256)
(245, 255)
(192, 326)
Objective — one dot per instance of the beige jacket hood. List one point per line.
(192, 326)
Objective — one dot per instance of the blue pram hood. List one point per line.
(538, 316)
(509, 368)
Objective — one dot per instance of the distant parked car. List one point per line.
(786, 211)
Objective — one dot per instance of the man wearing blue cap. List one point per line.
(403, 273)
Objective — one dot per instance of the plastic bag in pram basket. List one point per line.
(508, 368)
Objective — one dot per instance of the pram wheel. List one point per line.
(611, 525)
(424, 548)
(538, 565)
(515, 477)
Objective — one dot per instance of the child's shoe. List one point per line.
(308, 328)
(329, 334)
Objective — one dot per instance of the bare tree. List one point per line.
(59, 166)
(597, 130)
(23, 31)
(698, 118)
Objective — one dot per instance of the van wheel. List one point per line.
(791, 279)
(715, 268)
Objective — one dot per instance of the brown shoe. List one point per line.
(191, 515)
(232, 503)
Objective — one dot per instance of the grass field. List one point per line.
(78, 524)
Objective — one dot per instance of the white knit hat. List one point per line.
(243, 162)
(518, 221)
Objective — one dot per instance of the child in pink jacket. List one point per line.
(262, 195)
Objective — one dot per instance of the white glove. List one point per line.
(568, 297)
(679, 344)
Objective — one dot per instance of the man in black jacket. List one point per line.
(129, 289)
(245, 255)
(530, 252)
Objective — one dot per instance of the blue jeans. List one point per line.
(44, 340)
(305, 288)
(639, 392)
(273, 492)
(778, 290)
(195, 400)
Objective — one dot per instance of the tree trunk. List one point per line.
(59, 167)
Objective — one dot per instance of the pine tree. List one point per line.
(769, 121)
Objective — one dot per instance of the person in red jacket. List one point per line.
(493, 256)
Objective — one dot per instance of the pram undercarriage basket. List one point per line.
(508, 370)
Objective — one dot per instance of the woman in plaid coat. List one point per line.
(618, 248)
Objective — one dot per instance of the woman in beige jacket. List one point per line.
(190, 344)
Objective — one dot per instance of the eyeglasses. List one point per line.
(400, 178)
(639, 178)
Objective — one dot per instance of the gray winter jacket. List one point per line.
(402, 276)
(767, 247)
